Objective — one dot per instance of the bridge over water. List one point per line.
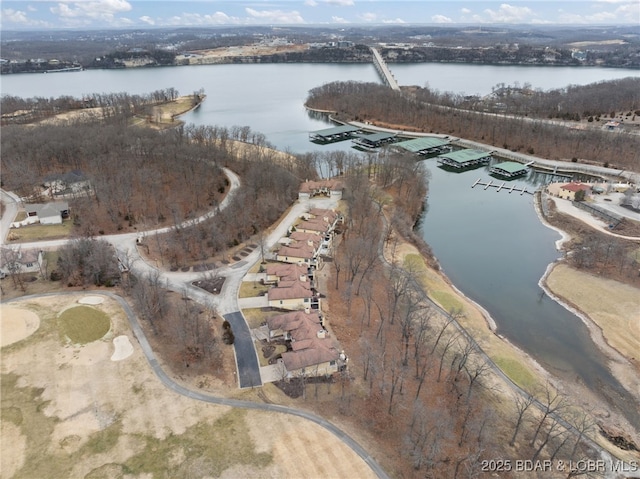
(383, 70)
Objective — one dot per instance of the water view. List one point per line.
(491, 245)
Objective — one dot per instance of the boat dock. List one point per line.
(502, 186)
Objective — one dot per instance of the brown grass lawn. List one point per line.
(40, 232)
(70, 411)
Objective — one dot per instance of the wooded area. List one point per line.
(423, 112)
(417, 381)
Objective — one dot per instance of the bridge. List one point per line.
(383, 70)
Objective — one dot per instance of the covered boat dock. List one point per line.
(372, 142)
(464, 159)
(425, 146)
(337, 133)
(508, 169)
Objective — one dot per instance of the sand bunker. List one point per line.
(91, 300)
(123, 346)
(16, 324)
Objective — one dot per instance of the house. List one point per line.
(44, 213)
(297, 253)
(276, 272)
(311, 349)
(313, 357)
(332, 188)
(293, 295)
(16, 261)
(314, 225)
(296, 325)
(328, 216)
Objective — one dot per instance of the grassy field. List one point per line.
(39, 232)
(69, 411)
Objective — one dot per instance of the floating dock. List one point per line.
(502, 186)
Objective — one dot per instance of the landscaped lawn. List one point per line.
(251, 289)
(255, 316)
(39, 232)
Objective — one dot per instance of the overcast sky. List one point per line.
(36, 15)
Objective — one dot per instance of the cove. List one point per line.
(494, 248)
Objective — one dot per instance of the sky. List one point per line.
(88, 14)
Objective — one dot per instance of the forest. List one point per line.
(422, 111)
(418, 382)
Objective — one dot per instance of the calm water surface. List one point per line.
(491, 245)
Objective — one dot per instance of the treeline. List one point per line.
(270, 183)
(135, 177)
(623, 57)
(416, 381)
(574, 102)
(17, 110)
(378, 104)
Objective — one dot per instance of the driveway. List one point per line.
(254, 302)
(246, 358)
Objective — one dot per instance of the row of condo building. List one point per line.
(311, 349)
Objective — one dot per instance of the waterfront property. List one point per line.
(508, 169)
(424, 146)
(330, 135)
(567, 191)
(374, 141)
(463, 159)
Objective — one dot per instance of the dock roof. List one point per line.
(337, 130)
(375, 137)
(419, 144)
(464, 156)
(510, 166)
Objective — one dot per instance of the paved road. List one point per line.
(246, 359)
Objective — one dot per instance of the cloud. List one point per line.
(396, 21)
(441, 19)
(20, 18)
(218, 18)
(510, 14)
(276, 16)
(368, 17)
(465, 11)
(311, 3)
(335, 19)
(147, 20)
(83, 13)
(340, 3)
